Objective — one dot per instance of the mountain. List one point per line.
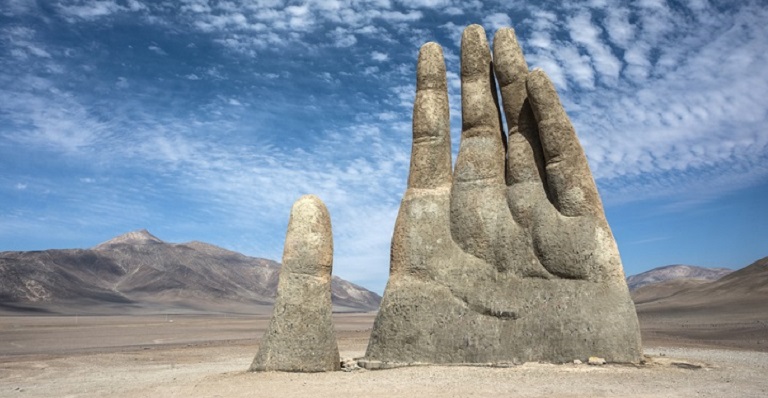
(140, 237)
(743, 289)
(729, 312)
(660, 290)
(139, 272)
(673, 272)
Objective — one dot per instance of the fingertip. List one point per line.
(430, 69)
(309, 239)
(506, 30)
(430, 51)
(474, 35)
(309, 206)
(431, 47)
(543, 95)
(508, 58)
(474, 29)
(475, 52)
(538, 80)
(309, 198)
(504, 36)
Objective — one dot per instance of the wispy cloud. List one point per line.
(584, 33)
(157, 50)
(58, 123)
(88, 10)
(495, 21)
(648, 240)
(342, 37)
(653, 124)
(22, 43)
(379, 56)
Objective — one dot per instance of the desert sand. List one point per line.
(207, 356)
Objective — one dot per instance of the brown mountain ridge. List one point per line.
(666, 281)
(743, 289)
(138, 272)
(731, 311)
(674, 272)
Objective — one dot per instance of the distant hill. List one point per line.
(666, 281)
(728, 312)
(139, 272)
(744, 289)
(673, 272)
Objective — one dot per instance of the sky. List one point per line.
(205, 119)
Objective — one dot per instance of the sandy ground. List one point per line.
(737, 328)
(207, 356)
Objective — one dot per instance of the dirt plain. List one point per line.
(206, 355)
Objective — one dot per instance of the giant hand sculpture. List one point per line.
(509, 258)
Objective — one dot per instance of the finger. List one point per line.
(526, 177)
(524, 157)
(524, 153)
(431, 151)
(569, 179)
(309, 241)
(481, 224)
(422, 226)
(303, 297)
(511, 71)
(481, 153)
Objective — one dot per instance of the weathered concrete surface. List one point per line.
(510, 258)
(300, 335)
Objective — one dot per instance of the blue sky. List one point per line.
(205, 120)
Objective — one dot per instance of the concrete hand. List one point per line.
(508, 257)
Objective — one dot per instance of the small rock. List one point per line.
(577, 362)
(596, 361)
(349, 365)
(369, 365)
